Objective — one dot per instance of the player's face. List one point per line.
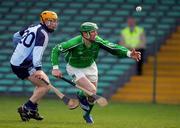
(52, 24)
(93, 35)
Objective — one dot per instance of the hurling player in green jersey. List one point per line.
(81, 53)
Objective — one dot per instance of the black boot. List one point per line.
(23, 114)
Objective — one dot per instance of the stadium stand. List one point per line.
(110, 15)
(167, 88)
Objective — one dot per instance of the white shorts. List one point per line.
(90, 72)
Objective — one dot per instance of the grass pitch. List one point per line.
(115, 115)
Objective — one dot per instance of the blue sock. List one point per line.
(86, 106)
(83, 101)
(30, 105)
(87, 112)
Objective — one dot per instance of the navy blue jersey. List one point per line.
(31, 46)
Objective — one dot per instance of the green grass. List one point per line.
(115, 115)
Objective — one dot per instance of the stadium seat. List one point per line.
(173, 14)
(87, 12)
(19, 10)
(108, 60)
(122, 13)
(105, 31)
(5, 22)
(116, 72)
(2, 28)
(4, 69)
(30, 17)
(150, 20)
(69, 11)
(71, 90)
(150, 1)
(15, 89)
(164, 27)
(14, 29)
(142, 14)
(103, 84)
(169, 2)
(93, 5)
(35, 11)
(59, 5)
(120, 67)
(98, 19)
(7, 3)
(108, 78)
(168, 21)
(3, 9)
(100, 1)
(81, 18)
(176, 7)
(163, 8)
(3, 89)
(147, 26)
(24, 4)
(101, 91)
(20, 23)
(11, 77)
(41, 4)
(69, 29)
(82, 1)
(5, 82)
(104, 12)
(127, 61)
(103, 66)
(109, 25)
(110, 6)
(117, 1)
(128, 6)
(75, 5)
(116, 19)
(154, 14)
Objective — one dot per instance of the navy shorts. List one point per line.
(20, 72)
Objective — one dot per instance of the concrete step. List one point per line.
(169, 54)
(162, 73)
(170, 48)
(150, 78)
(134, 98)
(162, 59)
(162, 67)
(172, 41)
(175, 35)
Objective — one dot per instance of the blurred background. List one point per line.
(160, 80)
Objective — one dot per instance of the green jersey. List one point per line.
(78, 55)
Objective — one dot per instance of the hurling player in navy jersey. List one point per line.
(26, 60)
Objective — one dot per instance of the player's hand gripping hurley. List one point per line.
(99, 99)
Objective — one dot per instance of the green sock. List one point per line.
(81, 94)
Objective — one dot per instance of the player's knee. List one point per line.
(94, 90)
(47, 88)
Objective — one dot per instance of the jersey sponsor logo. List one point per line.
(80, 52)
(111, 44)
(60, 48)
